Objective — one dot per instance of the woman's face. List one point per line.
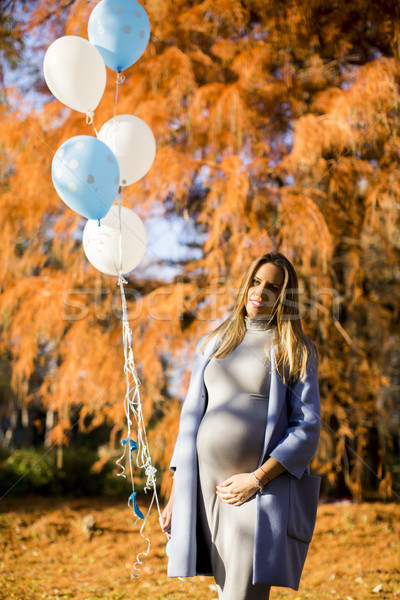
(264, 290)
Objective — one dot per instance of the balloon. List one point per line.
(101, 241)
(133, 143)
(120, 30)
(75, 73)
(85, 173)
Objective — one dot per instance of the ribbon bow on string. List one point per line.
(138, 512)
(132, 444)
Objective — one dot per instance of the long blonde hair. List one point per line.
(292, 345)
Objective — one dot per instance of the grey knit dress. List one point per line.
(230, 441)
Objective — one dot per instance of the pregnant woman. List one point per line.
(243, 503)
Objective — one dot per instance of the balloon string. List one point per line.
(120, 79)
(120, 229)
(134, 413)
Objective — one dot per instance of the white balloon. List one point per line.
(101, 241)
(75, 73)
(133, 143)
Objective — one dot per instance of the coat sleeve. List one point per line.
(299, 444)
(186, 407)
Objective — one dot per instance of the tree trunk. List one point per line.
(27, 426)
(10, 435)
(50, 420)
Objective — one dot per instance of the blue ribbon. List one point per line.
(138, 512)
(132, 445)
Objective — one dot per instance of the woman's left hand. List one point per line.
(237, 489)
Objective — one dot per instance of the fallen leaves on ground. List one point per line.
(48, 553)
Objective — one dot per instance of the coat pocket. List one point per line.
(303, 504)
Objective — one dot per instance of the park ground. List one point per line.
(53, 549)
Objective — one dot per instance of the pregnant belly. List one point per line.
(231, 434)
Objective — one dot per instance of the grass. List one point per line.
(46, 554)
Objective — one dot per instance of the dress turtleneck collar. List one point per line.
(257, 323)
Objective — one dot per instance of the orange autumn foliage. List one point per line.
(277, 127)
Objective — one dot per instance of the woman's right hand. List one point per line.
(166, 514)
(166, 517)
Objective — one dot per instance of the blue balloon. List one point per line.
(85, 173)
(120, 30)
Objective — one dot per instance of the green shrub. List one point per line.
(35, 471)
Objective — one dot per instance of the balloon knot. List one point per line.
(121, 278)
(89, 117)
(120, 78)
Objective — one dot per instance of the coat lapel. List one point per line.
(277, 395)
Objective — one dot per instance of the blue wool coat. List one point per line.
(286, 508)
